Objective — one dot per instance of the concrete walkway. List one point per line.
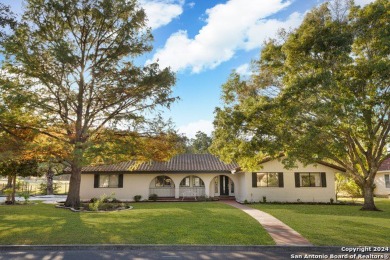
(282, 234)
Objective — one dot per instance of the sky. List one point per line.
(203, 41)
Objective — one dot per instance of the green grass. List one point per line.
(148, 223)
(336, 225)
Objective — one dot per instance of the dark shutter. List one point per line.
(297, 183)
(387, 180)
(96, 181)
(120, 181)
(280, 178)
(323, 179)
(254, 179)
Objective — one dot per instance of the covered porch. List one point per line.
(193, 187)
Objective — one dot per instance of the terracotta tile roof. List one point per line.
(385, 166)
(180, 163)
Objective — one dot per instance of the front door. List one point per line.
(224, 185)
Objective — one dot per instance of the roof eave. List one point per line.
(156, 172)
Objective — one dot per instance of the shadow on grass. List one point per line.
(335, 224)
(181, 223)
(40, 224)
(153, 223)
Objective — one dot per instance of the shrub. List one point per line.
(93, 200)
(25, 196)
(264, 199)
(8, 193)
(331, 200)
(107, 206)
(103, 198)
(137, 198)
(153, 197)
(108, 198)
(105, 202)
(94, 206)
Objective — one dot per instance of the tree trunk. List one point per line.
(13, 189)
(73, 199)
(368, 193)
(49, 178)
(8, 186)
(9, 182)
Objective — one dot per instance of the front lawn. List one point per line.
(335, 225)
(148, 223)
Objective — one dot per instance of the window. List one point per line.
(185, 182)
(216, 185)
(108, 181)
(267, 179)
(387, 180)
(197, 182)
(163, 181)
(192, 181)
(310, 179)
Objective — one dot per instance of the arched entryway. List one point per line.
(221, 186)
(163, 186)
(191, 186)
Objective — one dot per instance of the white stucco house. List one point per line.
(194, 175)
(382, 180)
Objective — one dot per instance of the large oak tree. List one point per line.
(320, 92)
(77, 61)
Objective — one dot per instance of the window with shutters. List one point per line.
(269, 179)
(311, 179)
(108, 181)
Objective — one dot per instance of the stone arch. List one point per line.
(163, 186)
(222, 185)
(192, 186)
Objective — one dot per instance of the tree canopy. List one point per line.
(7, 19)
(320, 92)
(75, 62)
(201, 143)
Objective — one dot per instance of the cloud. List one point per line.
(265, 29)
(244, 69)
(363, 2)
(230, 27)
(162, 12)
(201, 125)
